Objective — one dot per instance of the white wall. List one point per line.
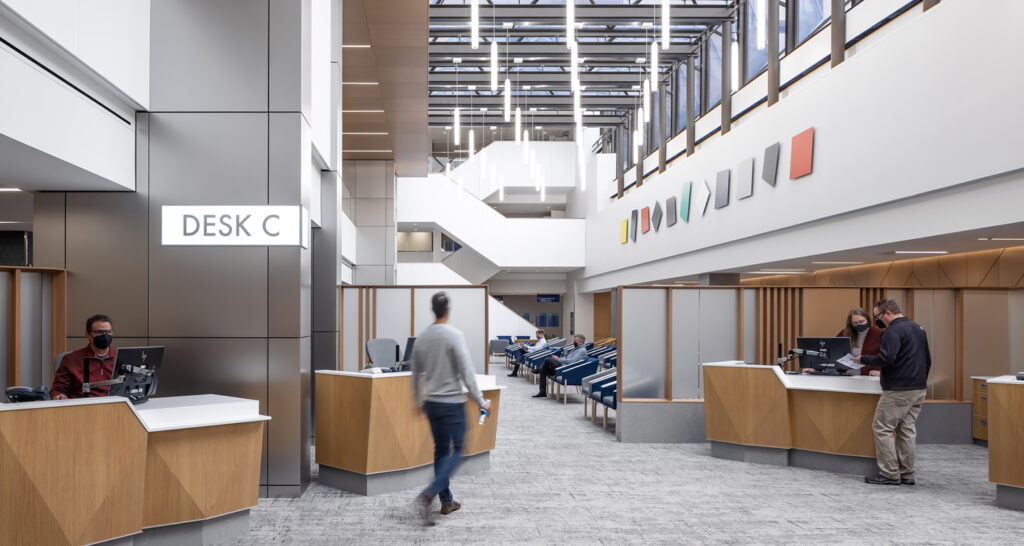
(891, 122)
(434, 200)
(109, 36)
(323, 123)
(505, 160)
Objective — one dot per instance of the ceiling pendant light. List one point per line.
(646, 108)
(519, 124)
(666, 24)
(494, 65)
(474, 23)
(458, 127)
(508, 100)
(570, 24)
(472, 143)
(762, 24)
(655, 72)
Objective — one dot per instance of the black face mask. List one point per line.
(879, 323)
(861, 327)
(102, 341)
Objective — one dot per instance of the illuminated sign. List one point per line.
(229, 225)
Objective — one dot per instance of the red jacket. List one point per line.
(71, 373)
(872, 344)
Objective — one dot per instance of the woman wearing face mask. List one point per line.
(865, 339)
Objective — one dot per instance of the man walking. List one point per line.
(905, 361)
(440, 367)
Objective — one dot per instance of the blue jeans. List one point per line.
(448, 425)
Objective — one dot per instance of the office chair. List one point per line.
(381, 351)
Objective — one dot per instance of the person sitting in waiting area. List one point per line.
(578, 353)
(99, 355)
(865, 339)
(528, 349)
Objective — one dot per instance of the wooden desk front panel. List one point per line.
(746, 406)
(833, 422)
(1006, 434)
(71, 475)
(369, 425)
(199, 473)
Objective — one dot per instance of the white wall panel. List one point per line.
(350, 329)
(394, 313)
(555, 159)
(110, 36)
(685, 343)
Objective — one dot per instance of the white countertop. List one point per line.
(485, 382)
(858, 384)
(171, 412)
(981, 377)
(1006, 380)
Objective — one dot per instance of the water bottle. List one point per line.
(483, 415)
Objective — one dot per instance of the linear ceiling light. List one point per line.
(921, 252)
(360, 83)
(519, 124)
(570, 24)
(837, 263)
(362, 111)
(655, 74)
(365, 133)
(367, 151)
(9, 189)
(666, 24)
(474, 22)
(356, 45)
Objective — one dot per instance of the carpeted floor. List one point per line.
(557, 478)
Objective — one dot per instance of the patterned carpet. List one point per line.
(557, 478)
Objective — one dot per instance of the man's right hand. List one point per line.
(60, 396)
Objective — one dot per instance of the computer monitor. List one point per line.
(836, 347)
(139, 366)
(408, 349)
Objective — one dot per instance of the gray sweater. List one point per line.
(441, 357)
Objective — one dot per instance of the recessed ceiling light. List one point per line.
(982, 238)
(9, 189)
(368, 151)
(362, 111)
(360, 83)
(641, 60)
(775, 272)
(1008, 238)
(837, 263)
(356, 45)
(921, 252)
(647, 24)
(506, 24)
(362, 133)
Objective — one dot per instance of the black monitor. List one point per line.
(408, 349)
(834, 347)
(139, 367)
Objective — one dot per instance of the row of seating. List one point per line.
(594, 377)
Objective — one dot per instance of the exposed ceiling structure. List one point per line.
(384, 82)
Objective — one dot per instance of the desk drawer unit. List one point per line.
(979, 428)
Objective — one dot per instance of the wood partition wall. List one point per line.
(402, 311)
(36, 303)
(602, 315)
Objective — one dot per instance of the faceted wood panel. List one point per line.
(746, 406)
(1006, 434)
(833, 422)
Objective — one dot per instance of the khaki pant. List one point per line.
(895, 428)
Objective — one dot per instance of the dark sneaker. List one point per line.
(511, 375)
(423, 507)
(541, 395)
(879, 479)
(449, 508)
(907, 481)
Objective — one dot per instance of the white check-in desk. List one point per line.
(182, 470)
(371, 440)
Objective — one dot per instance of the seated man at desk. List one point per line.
(99, 354)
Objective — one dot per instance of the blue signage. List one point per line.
(548, 298)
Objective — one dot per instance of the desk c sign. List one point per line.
(274, 225)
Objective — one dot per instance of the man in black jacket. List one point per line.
(905, 362)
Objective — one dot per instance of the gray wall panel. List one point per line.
(288, 390)
(325, 256)
(290, 55)
(350, 330)
(207, 159)
(749, 325)
(718, 325)
(48, 229)
(685, 342)
(107, 245)
(5, 326)
(325, 351)
(31, 321)
(230, 367)
(289, 307)
(643, 344)
(209, 56)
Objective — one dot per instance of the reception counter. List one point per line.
(182, 470)
(1006, 440)
(370, 439)
(760, 414)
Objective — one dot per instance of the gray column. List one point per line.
(773, 52)
(726, 106)
(661, 127)
(691, 116)
(838, 31)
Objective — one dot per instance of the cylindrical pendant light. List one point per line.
(472, 142)
(458, 127)
(570, 24)
(519, 124)
(647, 102)
(655, 73)
(666, 25)
(474, 23)
(494, 66)
(508, 100)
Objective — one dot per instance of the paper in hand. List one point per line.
(849, 362)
